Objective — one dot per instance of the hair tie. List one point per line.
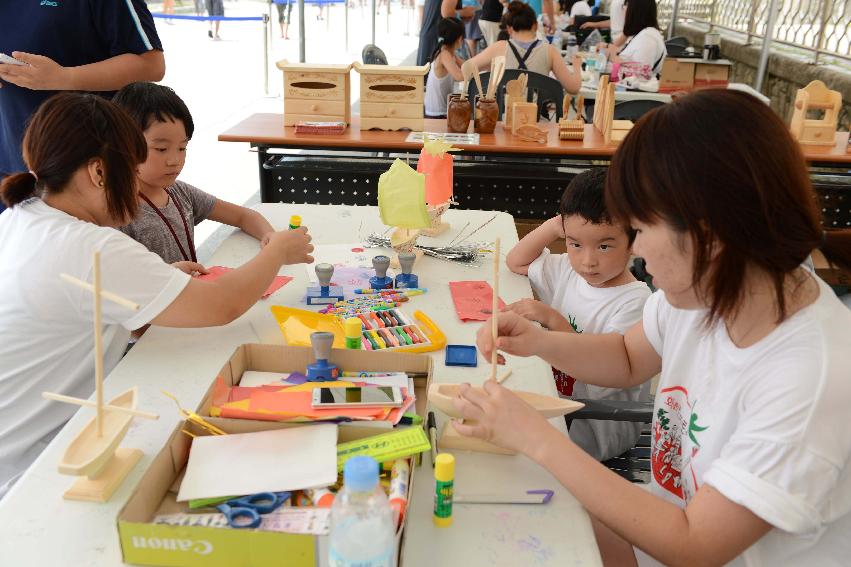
(31, 172)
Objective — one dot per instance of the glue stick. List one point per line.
(399, 489)
(444, 476)
(353, 327)
(295, 222)
(321, 497)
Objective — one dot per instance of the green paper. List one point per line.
(401, 197)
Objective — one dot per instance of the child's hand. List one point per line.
(292, 246)
(536, 311)
(191, 268)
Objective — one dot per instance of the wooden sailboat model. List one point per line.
(94, 453)
(441, 395)
(402, 205)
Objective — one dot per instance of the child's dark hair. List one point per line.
(519, 16)
(147, 102)
(67, 132)
(585, 196)
(448, 32)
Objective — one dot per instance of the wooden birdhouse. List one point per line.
(318, 93)
(819, 131)
(391, 98)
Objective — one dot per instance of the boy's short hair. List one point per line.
(146, 102)
(585, 196)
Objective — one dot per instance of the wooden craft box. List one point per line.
(319, 93)
(391, 98)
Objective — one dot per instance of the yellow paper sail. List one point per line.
(401, 197)
(437, 147)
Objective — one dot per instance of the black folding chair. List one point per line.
(372, 55)
(543, 90)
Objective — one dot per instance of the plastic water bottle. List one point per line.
(362, 532)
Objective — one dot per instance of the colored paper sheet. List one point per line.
(217, 271)
(473, 300)
(401, 197)
(264, 461)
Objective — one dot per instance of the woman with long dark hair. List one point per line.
(751, 454)
(642, 41)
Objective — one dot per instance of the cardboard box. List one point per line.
(712, 75)
(676, 76)
(145, 543)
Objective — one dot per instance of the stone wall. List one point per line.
(786, 74)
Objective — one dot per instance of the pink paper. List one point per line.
(473, 300)
(277, 283)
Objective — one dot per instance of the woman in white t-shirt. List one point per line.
(641, 42)
(751, 453)
(83, 151)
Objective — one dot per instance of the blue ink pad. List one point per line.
(461, 355)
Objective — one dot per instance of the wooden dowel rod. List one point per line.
(91, 404)
(495, 308)
(98, 330)
(115, 298)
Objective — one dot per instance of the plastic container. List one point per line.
(362, 531)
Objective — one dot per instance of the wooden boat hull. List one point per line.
(441, 395)
(88, 454)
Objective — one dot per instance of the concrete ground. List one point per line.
(222, 82)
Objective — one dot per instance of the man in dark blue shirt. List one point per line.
(80, 45)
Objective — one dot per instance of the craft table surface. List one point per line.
(38, 527)
(269, 130)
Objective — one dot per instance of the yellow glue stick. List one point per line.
(444, 476)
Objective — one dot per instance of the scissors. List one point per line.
(244, 512)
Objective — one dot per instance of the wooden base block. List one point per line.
(451, 439)
(100, 489)
(619, 135)
(438, 230)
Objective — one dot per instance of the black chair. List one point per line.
(633, 464)
(541, 89)
(372, 55)
(676, 46)
(634, 109)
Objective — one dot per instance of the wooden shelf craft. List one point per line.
(613, 131)
(319, 93)
(391, 98)
(819, 131)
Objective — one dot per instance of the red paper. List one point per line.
(473, 300)
(438, 180)
(277, 283)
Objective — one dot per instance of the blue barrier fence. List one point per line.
(209, 18)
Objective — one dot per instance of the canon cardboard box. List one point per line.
(146, 543)
(709, 75)
(677, 75)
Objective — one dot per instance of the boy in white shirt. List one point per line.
(589, 289)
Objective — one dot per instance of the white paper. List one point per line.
(454, 138)
(266, 461)
(339, 255)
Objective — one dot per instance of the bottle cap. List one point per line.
(353, 326)
(295, 221)
(444, 467)
(360, 474)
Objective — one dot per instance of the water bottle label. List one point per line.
(382, 560)
(443, 499)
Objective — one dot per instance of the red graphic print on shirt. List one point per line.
(564, 383)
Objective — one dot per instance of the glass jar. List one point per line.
(458, 113)
(487, 114)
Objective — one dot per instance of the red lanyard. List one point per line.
(171, 228)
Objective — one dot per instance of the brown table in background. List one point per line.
(501, 172)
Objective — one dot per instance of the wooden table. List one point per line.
(39, 528)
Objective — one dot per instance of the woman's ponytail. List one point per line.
(17, 187)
